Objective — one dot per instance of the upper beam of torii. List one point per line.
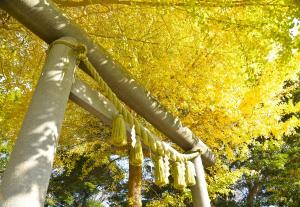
(44, 19)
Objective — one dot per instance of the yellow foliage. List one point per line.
(211, 67)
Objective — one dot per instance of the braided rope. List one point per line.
(156, 146)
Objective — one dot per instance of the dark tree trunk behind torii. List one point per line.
(135, 186)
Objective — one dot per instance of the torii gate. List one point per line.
(33, 154)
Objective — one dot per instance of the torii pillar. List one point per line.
(27, 176)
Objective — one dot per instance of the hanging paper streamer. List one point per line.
(161, 171)
(167, 167)
(118, 135)
(190, 173)
(133, 136)
(179, 175)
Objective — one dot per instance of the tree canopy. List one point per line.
(229, 69)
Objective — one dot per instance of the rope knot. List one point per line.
(81, 50)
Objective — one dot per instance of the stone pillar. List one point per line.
(199, 191)
(26, 178)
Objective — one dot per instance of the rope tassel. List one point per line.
(179, 176)
(190, 173)
(152, 144)
(161, 171)
(118, 135)
(136, 153)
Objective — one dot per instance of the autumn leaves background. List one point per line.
(228, 69)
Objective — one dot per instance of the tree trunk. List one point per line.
(253, 190)
(135, 186)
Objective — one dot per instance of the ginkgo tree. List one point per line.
(221, 67)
